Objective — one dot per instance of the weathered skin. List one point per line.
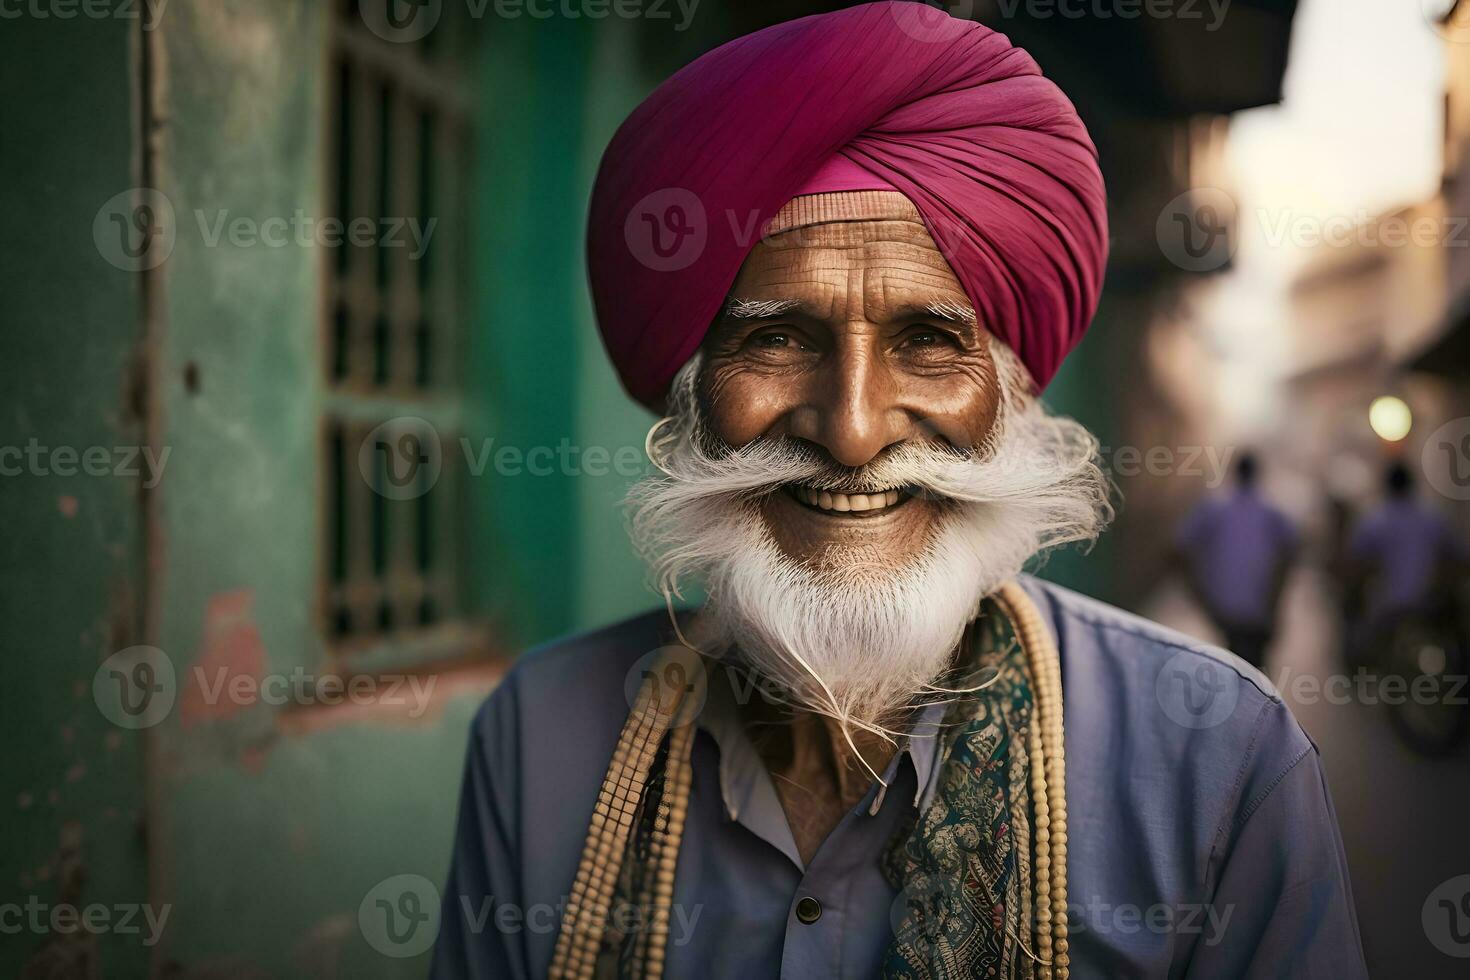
(858, 363)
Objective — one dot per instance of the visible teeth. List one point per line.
(847, 502)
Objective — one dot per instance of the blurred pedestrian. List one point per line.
(1235, 549)
(1402, 557)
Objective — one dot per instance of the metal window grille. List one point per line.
(392, 312)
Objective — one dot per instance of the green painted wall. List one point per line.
(71, 556)
(275, 822)
(267, 826)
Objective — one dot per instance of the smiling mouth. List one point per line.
(848, 504)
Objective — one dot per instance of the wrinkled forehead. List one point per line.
(885, 262)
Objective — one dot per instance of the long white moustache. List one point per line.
(858, 639)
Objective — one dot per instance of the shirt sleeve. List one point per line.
(483, 876)
(1283, 905)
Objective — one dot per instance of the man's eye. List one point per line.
(926, 338)
(774, 339)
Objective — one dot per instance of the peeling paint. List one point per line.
(232, 649)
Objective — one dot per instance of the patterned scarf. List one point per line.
(964, 868)
(979, 894)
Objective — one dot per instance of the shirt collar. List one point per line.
(745, 783)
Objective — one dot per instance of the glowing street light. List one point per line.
(1390, 418)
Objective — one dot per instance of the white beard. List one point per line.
(853, 636)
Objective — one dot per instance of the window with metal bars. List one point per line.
(393, 311)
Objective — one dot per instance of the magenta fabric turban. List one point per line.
(945, 111)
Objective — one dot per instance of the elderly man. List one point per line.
(841, 257)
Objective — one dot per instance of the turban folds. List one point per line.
(945, 111)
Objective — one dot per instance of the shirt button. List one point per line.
(808, 910)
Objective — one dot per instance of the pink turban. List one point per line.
(945, 111)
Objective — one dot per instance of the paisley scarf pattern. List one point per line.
(963, 868)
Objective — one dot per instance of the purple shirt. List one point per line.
(1202, 841)
(1404, 543)
(1236, 543)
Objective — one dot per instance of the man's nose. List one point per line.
(852, 409)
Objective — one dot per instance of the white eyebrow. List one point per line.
(953, 311)
(757, 309)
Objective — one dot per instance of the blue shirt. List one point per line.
(1236, 543)
(1202, 841)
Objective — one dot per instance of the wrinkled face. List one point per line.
(852, 337)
